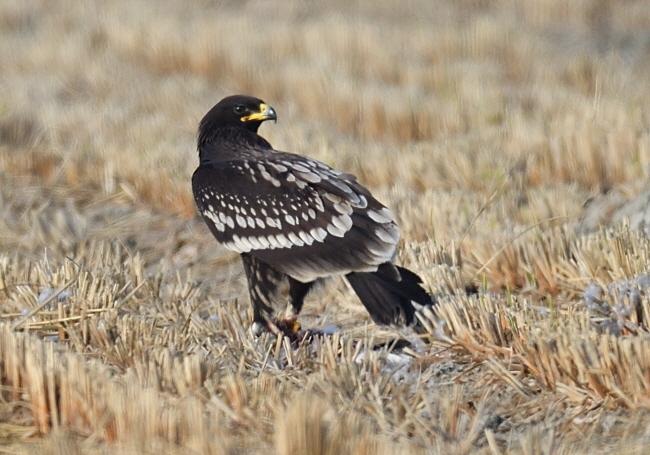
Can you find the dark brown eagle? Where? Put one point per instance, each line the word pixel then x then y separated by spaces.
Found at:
pixel 294 221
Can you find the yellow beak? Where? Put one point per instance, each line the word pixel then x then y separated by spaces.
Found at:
pixel 266 113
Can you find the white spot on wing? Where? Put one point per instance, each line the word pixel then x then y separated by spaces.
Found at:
pixel 283 241
pixel 344 208
pixel 242 243
pixel 342 222
pixel 308 239
pixel 273 242
pixel 218 224
pixel 278 167
pixel 295 239
pixel 231 246
pixel 318 234
pixel 257 245
pixel 343 187
pixel 333 198
pixel 319 204
pixel 336 232
pixel 310 177
pixel 298 167
pixel 382 216
pixel 388 235
pixel 265 243
pixel 379 251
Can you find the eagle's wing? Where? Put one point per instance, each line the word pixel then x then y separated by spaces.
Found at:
pixel 296 214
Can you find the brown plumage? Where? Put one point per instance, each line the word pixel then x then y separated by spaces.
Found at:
pixel 295 220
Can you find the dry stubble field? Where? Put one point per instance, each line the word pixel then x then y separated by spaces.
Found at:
pixel 485 125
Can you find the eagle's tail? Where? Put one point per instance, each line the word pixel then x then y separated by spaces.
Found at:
pixel 392 294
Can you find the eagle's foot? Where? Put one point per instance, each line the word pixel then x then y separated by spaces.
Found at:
pixel 288 327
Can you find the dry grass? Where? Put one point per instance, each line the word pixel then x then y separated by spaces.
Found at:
pixel 485 125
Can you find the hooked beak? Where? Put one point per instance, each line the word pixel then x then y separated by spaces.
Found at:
pixel 266 113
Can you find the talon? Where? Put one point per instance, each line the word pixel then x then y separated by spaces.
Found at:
pixel 295 328
pixel 289 327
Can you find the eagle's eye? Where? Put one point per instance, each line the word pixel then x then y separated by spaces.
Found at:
pixel 240 109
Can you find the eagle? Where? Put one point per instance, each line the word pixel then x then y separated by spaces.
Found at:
pixel 296 221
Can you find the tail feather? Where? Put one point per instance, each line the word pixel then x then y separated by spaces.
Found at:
pixel 388 294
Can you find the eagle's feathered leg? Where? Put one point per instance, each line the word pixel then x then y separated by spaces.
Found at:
pixel 276 298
